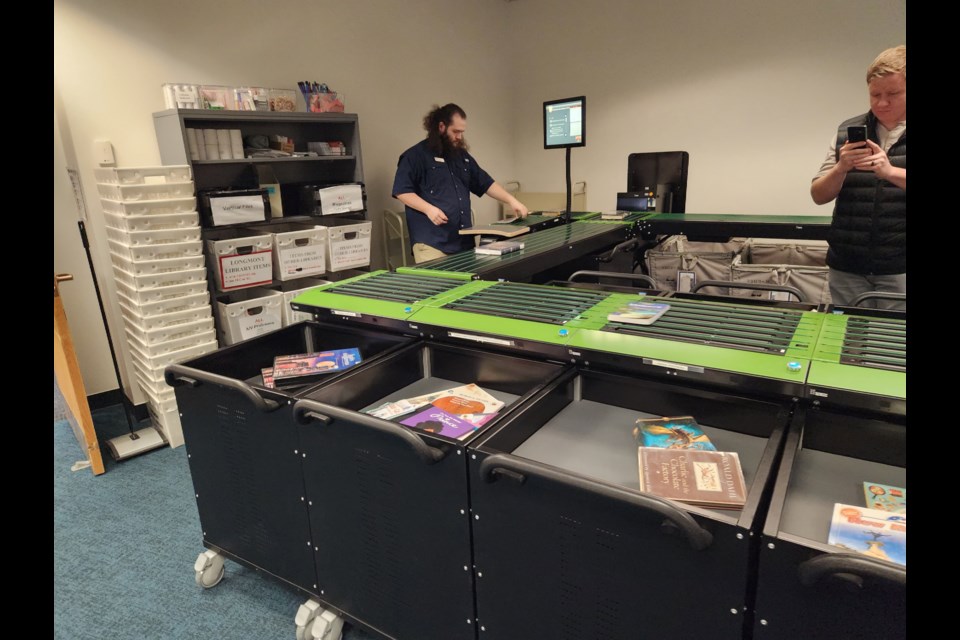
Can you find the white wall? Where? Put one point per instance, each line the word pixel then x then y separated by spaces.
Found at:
pixel 392 60
pixel 751 89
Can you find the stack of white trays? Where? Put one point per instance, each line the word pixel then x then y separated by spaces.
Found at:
pixel 156 250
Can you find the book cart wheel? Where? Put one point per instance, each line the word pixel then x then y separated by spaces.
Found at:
pixel 208 569
pixel 304 618
pixel 315 623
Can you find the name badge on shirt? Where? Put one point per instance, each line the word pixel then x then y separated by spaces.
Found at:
pixel 439 160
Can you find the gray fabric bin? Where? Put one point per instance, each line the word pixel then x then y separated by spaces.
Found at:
pixel 812 281
pixel 706 260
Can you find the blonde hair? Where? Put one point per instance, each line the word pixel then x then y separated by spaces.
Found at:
pixel 893 60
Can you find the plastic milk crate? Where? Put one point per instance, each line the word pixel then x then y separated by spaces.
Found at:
pixel 169 424
pixel 159 321
pixel 138 192
pixel 299 250
pixel 348 245
pixel 145 267
pixel 160 279
pixel 153 221
pixel 149 207
pixel 161 236
pixel 156 251
pixel 289 315
pixel 151 309
pixel 173 345
pixel 239 259
pixel 249 313
pixel 170 332
pixel 142 296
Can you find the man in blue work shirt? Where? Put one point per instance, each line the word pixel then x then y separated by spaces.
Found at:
pixel 434 180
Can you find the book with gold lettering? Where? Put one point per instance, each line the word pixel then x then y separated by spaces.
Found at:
pixel 704 478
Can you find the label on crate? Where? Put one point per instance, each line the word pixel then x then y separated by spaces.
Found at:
pixel 340 199
pixel 252 326
pixel 236 209
pixel 301 261
pixel 350 253
pixel 246 270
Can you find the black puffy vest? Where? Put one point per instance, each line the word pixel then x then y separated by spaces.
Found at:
pixel 868 235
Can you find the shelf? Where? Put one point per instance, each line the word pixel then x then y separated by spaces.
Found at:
pixel 257 116
pixel 271 160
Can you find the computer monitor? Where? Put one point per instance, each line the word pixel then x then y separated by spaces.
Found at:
pixel 664 173
pixel 565 123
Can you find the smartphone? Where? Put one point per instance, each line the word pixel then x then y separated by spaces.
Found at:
pixel 857 133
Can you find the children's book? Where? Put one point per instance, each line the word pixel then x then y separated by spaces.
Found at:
pixel 705 478
pixel 468 402
pixel 438 421
pixel 267 374
pixel 681 432
pixel 872 532
pixel 885 497
pixel 639 312
pixel 299 368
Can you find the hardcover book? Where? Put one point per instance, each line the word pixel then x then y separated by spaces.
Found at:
pixel 885 497
pixel 301 367
pixel 872 532
pixel 502 230
pixel 680 432
pixel 639 312
pixel 267 374
pixel 438 421
pixel 499 248
pixel 704 478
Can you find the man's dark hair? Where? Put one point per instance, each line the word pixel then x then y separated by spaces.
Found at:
pixel 431 122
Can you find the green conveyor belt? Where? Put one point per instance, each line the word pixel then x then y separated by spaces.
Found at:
pixel 740 218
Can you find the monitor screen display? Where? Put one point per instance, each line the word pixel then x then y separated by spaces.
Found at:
pixel 565 123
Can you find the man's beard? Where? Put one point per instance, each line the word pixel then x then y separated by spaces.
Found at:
pixel 453 147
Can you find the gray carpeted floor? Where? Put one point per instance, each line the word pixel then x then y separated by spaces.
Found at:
pixel 124 547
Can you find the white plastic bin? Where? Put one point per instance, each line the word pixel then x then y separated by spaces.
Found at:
pixel 157 335
pixel 161 251
pixel 159 362
pixel 161 236
pixel 140 297
pixel 239 260
pixel 348 246
pixel 144 267
pixel 161 279
pixel 149 207
pixel 153 308
pixel 152 222
pixel 168 423
pixel 173 345
pixel 148 191
pixel 298 251
pixel 142 175
pixel 135 319
pixel 289 293
pixel 249 313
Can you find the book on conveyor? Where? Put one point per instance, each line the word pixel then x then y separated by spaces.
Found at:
pixel 639 312
pixel 680 432
pixel 502 230
pixel 499 248
pixel 703 478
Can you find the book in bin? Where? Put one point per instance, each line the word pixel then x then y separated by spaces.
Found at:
pixel 679 432
pixel 885 497
pixel 872 532
pixel 639 312
pixel 468 402
pixel 703 478
pixel 499 248
pixel 438 421
pixel 302 367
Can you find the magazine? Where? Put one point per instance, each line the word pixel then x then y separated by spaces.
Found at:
pixel 438 421
pixel 872 532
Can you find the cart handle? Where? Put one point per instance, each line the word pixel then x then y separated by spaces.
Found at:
pixel 761 286
pixel 850 567
pixel 177 374
pixel 877 295
pixel 518 469
pixel 639 277
pixel 306 411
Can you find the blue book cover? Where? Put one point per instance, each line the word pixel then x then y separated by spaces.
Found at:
pixel 637 312
pixel 305 365
pixel 872 532
pixel 680 432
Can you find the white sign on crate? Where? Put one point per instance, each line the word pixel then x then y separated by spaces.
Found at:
pixel 350 253
pixel 237 209
pixel 340 199
pixel 302 261
pixel 246 270
pixel 257 324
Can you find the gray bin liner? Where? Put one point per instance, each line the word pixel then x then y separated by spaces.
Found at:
pixel 811 281
pixel 807 253
pixel 706 260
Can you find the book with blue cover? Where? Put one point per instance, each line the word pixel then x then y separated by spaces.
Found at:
pixel 302 367
pixel 872 532
pixel 679 432
pixel 639 312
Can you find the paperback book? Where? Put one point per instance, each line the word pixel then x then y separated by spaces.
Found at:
pixel 499 248
pixel 468 402
pixel 872 532
pixel 704 478
pixel 438 421
pixel 681 432
pixel 267 374
pixel 302 367
pixel 639 312
pixel 502 230
pixel 885 497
